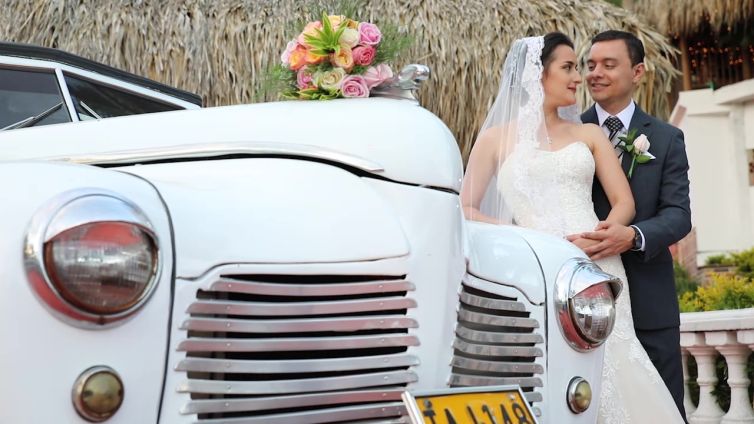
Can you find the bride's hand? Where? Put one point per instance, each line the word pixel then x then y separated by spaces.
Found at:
pixel 611 239
pixel 581 242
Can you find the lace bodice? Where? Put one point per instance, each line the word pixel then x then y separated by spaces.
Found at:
pixel 561 203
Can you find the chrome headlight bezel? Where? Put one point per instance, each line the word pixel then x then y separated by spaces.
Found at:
pixel 575 276
pixel 68 211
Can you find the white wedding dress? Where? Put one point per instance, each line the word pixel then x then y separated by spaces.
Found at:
pixel 632 389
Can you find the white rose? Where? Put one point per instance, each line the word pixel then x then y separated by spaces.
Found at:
pixel 641 144
pixel 349 38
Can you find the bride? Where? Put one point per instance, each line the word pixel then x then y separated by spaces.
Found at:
pixel 533 165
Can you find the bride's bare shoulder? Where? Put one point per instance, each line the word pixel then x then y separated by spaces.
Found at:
pixel 591 134
pixel 493 138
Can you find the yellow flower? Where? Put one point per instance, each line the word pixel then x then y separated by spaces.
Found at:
pixel 344 59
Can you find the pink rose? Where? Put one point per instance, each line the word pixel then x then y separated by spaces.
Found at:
pixel 364 55
pixel 376 75
pixel 288 50
pixel 304 78
pixel 370 34
pixel 354 86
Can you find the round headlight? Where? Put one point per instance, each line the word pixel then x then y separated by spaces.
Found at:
pixel 103 267
pixel 593 311
pixel 92 257
pixel 585 303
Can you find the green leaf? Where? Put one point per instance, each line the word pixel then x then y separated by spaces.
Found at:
pixel 643 159
pixel 632 134
pixel 630 148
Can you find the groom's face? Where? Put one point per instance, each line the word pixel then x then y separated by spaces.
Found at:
pixel 610 75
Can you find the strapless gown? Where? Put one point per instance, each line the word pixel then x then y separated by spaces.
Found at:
pixel 558 200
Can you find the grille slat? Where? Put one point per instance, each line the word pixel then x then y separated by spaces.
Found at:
pixel 491 337
pixel 296 344
pixel 298 325
pixel 495 320
pixel 478 380
pixel 497 341
pixel 299 308
pixel 231 285
pixel 496 351
pixel 496 304
pixel 308 385
pixel 332 415
pixel 205 406
pixel 498 367
pixel 298 348
pixel 295 366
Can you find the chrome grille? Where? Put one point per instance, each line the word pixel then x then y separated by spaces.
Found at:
pixel 299 349
pixel 497 342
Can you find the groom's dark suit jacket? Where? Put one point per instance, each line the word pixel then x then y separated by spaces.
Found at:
pixel 661 193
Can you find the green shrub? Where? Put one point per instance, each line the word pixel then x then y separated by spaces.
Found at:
pixel 719 260
pixel 724 292
pixel 684 282
pixel 744 263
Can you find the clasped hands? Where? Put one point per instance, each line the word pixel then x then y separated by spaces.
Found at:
pixel 607 239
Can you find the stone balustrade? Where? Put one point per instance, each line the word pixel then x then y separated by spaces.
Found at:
pixel 704 336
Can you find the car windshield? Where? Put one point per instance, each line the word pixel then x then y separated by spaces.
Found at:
pixel 27 93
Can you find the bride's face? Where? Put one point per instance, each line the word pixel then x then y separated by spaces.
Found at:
pixel 561 77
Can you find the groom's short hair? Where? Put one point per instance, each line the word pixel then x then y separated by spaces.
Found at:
pixel 634 45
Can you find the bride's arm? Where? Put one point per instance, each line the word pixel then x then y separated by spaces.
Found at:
pixel 479 171
pixel 611 176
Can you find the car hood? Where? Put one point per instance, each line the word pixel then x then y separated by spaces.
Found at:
pixel 394 139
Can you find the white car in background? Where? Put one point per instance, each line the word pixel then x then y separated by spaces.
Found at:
pixel 289 262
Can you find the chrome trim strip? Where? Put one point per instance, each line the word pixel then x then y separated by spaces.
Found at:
pixel 63 86
pixel 349 414
pixel 497 351
pixel 494 320
pixel 68 210
pixel 296 344
pixel 204 406
pixel 232 285
pixel 191 151
pixel 297 386
pixel 298 325
pixel 299 308
pixel 494 366
pixel 478 380
pixel 489 303
pixel 296 365
pixel 472 335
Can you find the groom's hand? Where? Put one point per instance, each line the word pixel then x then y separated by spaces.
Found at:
pixel 612 239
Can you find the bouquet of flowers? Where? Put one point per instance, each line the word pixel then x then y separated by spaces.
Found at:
pixel 336 57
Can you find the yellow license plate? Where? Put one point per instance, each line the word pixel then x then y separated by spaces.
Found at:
pixel 488 405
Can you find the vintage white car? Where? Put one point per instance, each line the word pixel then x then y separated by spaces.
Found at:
pixel 288 262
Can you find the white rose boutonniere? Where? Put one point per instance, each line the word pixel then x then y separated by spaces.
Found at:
pixel 638 147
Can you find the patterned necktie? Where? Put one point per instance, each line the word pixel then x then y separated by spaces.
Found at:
pixel 614 125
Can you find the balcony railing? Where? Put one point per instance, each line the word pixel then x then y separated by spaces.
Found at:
pixel 704 336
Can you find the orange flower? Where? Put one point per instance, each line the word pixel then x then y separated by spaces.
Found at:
pixel 344 59
pixel 297 59
pixel 313 58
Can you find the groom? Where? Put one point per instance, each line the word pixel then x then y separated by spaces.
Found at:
pixel 661 192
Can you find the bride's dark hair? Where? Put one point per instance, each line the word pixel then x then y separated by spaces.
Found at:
pixel 551 42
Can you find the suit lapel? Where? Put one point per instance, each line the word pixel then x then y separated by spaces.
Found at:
pixel 590 116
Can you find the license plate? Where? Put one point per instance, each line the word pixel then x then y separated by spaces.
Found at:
pixel 477 405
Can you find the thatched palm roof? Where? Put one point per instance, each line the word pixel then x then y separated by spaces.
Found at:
pixel 219 48
pixel 683 17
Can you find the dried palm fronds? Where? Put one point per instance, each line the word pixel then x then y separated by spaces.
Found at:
pixel 221 48
pixel 683 17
